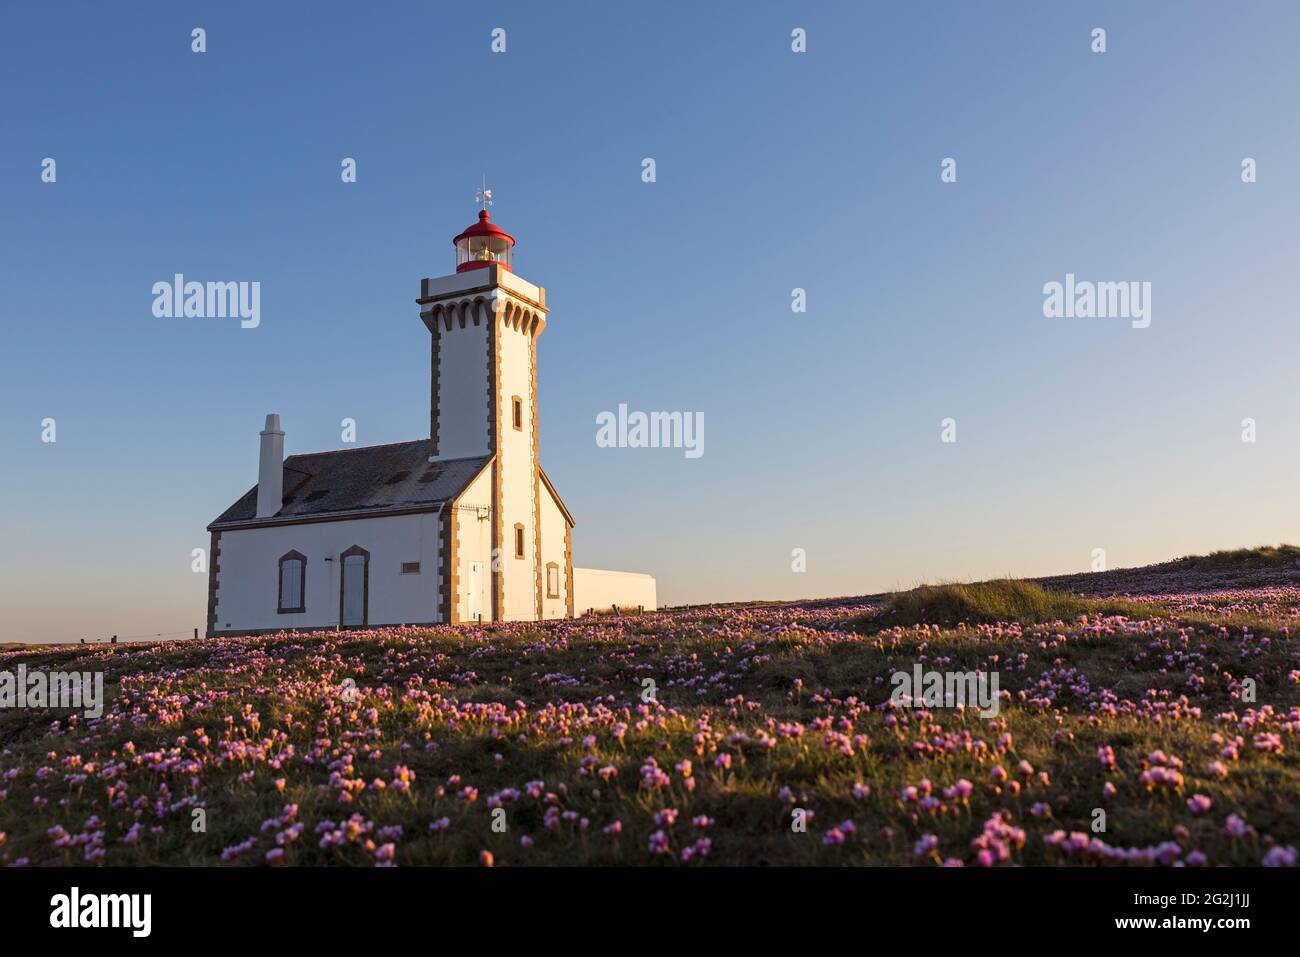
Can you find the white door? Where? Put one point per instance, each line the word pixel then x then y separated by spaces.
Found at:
pixel 474 591
pixel 354 590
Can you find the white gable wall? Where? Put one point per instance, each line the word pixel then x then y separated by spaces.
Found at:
pixel 249 562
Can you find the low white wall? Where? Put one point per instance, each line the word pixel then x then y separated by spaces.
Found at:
pixel 600 589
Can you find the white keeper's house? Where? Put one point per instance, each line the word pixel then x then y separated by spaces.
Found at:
pixel 463 526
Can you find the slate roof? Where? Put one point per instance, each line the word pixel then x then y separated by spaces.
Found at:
pixel 373 480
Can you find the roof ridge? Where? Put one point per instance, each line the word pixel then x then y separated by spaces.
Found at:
pixel 361 448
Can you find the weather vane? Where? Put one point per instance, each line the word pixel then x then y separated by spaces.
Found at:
pixel 484 196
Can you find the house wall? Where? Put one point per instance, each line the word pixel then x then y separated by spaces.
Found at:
pixel 553 529
pixel 601 589
pixel 474 544
pixel 247 583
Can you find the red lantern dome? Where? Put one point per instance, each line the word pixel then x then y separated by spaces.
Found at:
pixel 483 244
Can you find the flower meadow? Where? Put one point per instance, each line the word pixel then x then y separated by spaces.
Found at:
pixel 754 735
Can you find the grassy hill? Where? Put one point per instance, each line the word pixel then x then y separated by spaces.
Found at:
pixel 1236 568
pixel 740 735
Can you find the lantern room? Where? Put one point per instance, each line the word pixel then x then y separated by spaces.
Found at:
pixel 483 244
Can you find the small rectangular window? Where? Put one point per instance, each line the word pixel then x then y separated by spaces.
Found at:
pixel 552 580
pixel 518 405
pixel 519 541
pixel 410 568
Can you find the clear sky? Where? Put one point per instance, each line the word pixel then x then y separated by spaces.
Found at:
pixel 775 170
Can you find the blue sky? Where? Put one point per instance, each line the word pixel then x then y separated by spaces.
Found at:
pixel 775 170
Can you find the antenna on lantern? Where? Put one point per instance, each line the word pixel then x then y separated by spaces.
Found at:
pixel 484 196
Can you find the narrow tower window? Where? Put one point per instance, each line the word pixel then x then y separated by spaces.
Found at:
pixel 519 541
pixel 517 405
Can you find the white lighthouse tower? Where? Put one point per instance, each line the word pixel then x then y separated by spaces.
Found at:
pixel 485 321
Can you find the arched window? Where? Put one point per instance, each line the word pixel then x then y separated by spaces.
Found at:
pixel 354 589
pixel 293 584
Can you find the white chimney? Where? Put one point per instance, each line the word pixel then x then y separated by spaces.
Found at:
pixel 270 469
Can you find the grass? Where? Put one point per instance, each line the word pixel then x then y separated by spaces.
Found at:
pixel 1243 559
pixel 777 708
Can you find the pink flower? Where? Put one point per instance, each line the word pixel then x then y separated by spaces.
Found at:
pixel 700 848
pixel 1280 856
pixel 1198 803
pixel 959 791
pixel 1271 743
pixel 1236 827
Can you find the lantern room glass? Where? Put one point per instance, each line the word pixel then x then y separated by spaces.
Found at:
pixel 483 249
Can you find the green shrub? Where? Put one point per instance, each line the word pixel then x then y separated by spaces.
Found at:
pixel 1003 599
pixel 1265 556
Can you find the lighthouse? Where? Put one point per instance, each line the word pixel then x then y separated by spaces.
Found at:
pixel 463 527
pixel 484 322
